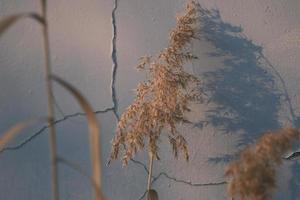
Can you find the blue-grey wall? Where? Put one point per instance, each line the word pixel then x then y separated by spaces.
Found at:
pixel 248 61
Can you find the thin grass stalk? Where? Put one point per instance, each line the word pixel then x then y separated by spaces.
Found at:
pixel 94 134
pixel 151 157
pixel 49 89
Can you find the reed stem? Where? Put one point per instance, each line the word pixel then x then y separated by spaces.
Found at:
pixel 52 135
pixel 150 171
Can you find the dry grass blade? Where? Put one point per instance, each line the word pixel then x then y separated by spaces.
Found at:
pixel 8 21
pixel 93 133
pixel 14 131
pixel 152 195
pixel 37 17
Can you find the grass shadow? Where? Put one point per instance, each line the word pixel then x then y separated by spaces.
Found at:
pixel 243 90
pixel 246 92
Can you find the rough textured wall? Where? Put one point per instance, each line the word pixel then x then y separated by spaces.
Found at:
pixel 248 60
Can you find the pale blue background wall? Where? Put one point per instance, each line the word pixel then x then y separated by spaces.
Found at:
pixel 248 59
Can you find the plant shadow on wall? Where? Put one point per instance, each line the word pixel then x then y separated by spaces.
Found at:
pixel 243 94
pixel 246 92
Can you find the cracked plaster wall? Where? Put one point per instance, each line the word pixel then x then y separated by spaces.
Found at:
pixel 248 59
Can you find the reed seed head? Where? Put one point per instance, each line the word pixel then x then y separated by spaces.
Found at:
pixel 253 176
pixel 162 100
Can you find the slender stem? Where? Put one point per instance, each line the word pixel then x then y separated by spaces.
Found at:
pixel 52 135
pixel 150 170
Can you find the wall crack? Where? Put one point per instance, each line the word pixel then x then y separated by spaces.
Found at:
pixel 165 175
pixel 114 60
pixel 44 128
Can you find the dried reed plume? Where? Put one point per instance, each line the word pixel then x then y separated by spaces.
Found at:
pixel 162 100
pixel 253 176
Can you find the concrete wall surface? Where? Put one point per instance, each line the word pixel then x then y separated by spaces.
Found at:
pixel 249 54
